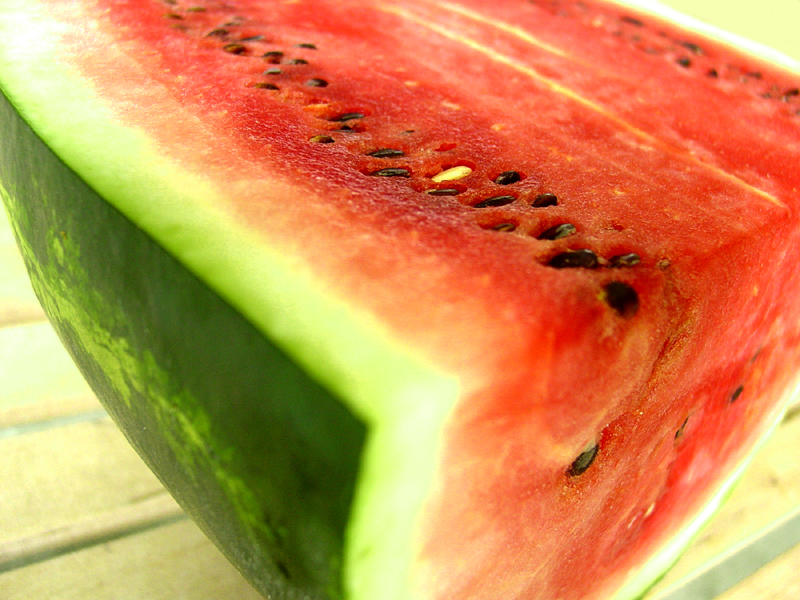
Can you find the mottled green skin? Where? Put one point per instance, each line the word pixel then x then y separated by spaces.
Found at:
pixel 264 458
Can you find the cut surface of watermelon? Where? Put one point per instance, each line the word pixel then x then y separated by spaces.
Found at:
pixel 415 300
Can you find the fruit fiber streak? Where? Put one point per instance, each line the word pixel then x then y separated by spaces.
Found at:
pixel 585 216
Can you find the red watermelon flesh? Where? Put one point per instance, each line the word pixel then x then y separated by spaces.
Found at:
pixel 586 215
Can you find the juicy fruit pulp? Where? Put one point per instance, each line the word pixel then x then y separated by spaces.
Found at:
pixel 582 219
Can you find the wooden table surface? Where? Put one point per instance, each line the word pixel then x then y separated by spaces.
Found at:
pixel 82 518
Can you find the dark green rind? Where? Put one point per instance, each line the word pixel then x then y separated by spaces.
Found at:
pixel 268 465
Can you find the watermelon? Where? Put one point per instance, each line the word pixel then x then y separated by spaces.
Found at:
pixel 415 300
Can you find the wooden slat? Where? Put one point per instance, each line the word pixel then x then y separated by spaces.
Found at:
pixel 776 581
pixel 35 368
pixel 89 531
pixel 57 476
pixel 74 496
pixel 17 419
pixel 769 490
pixel 174 562
pixel 73 501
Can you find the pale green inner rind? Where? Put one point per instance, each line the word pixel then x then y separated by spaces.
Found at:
pixel 346 351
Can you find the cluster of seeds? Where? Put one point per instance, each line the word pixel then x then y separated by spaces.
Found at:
pixel 589 454
pixel 281 65
pixel 506 201
pixel 684 53
pixel 503 193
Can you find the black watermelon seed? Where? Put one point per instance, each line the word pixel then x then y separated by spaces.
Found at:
pixel 273 71
pixel 391 172
pixel 695 49
pixel 789 94
pixel 755 74
pixel 557 232
pixel 682 428
pixel 347 117
pixel 585 259
pixel 217 33
pixel 322 139
pixel 306 46
pixel 546 199
pixel 504 227
pixel 175 16
pixel 196 9
pixel 712 73
pixel 583 462
pixel 316 82
pixel 296 61
pixel 266 86
pixel 737 392
pixel 234 48
pixel 507 178
pixel 252 38
pixel 625 260
pixel 684 61
pixel 495 201
pixel 622 298
pixel 387 153
pixel 443 192
pixel 632 21
pixel 273 56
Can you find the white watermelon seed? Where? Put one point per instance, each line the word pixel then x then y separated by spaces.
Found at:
pixel 452 174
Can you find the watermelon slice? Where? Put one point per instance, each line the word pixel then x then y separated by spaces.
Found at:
pixel 415 300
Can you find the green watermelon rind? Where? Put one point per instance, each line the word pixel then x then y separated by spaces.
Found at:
pixel 349 353
pixel 92 271
pixel 47 205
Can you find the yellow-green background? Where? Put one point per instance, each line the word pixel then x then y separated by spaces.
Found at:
pixel 775 23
